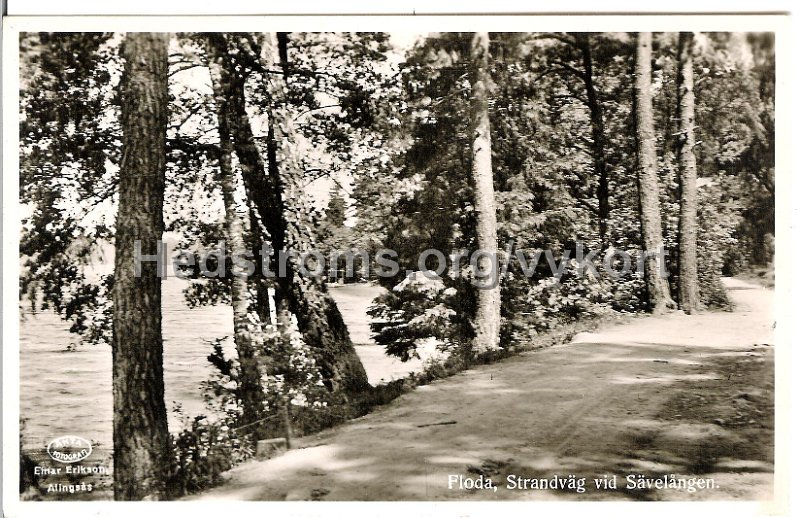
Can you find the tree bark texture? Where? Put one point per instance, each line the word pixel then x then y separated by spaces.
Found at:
pixel 687 261
pixel 647 165
pixel 487 316
pixel 141 437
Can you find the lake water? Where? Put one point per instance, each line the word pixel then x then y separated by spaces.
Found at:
pixel 69 392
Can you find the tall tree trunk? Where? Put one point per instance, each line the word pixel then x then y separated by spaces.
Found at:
pixel 270 186
pixel 141 437
pixel 598 136
pixel 263 305
pixel 687 279
pixel 649 205
pixel 318 318
pixel 250 391
pixel 487 316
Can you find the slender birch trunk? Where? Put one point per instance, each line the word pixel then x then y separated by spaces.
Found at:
pixel 249 388
pixel 487 317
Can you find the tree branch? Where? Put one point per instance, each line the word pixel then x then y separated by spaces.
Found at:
pixel 562 37
pixel 569 68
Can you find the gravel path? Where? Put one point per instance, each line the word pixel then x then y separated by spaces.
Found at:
pixel 685 395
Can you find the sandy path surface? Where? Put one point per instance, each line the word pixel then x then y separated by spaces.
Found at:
pixel 684 395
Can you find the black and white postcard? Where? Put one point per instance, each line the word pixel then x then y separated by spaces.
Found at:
pixel 413 259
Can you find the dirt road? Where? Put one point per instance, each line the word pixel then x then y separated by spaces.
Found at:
pixel 684 395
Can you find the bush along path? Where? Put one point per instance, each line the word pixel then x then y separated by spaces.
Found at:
pixel 669 407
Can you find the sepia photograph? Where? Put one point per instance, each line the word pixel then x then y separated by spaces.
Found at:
pixel 414 264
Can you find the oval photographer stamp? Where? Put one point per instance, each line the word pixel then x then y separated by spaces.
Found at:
pixel 69 448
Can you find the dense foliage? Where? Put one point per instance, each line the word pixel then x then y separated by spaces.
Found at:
pixel 375 152
pixel 545 178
